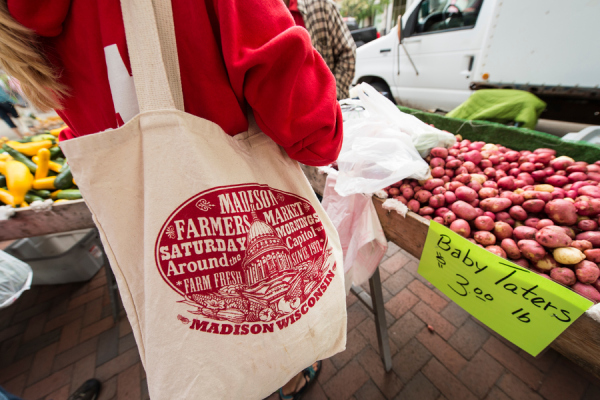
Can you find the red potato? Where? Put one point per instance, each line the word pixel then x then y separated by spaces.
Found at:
pixel 484 223
pixel 426 211
pixel 465 193
pixel 552 238
pixel 394 191
pixel 564 276
pixel 591 191
pixel 490 214
pixel 547 263
pixel 496 204
pixel 470 166
pixel 511 156
pixel 497 250
pixel 450 197
pixel 449 217
pixel 490 184
pixel 586 271
pixel 440 212
pixel 423 196
pixel 588 207
pixel 433 183
pixel 518 213
pixel 506 183
pixel 587 225
pixel 561 163
pixel 437 201
pixel 503 216
pixel 544 150
pixel 592 237
pixel 516 198
pixel 449 173
pixel 462 177
pixel 532 222
pixel 544 196
pixel 534 205
pixel 476 186
pixel 401 200
pixel 527 167
pixel 464 210
pixel 487 192
pixel 473 156
pixel 438 172
pixel 476 145
pixel 461 227
pixel 511 248
pixel 440 152
pixel 592 255
pixel 479 212
pixel 523 262
pixel 524 233
pixel 437 162
pixel 595 176
pixel 474 203
pixel 500 174
pixel 502 230
pixel 531 250
pixel 439 220
pixel 558 194
pixel 538 176
pixel 490 172
pixel 455 164
pixel 587 291
pixel 560 173
pixel 576 168
pixel 596 284
pixel 408 193
pixel 484 238
pixel 542 223
pixel 544 158
pixel 577 176
pixel 592 168
pixel 452 186
pixel 561 212
pixel 413 205
pixel 584 245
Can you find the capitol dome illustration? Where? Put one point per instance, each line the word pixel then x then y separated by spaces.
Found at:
pixel 266 255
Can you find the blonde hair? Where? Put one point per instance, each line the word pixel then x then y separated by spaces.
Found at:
pixel 22 58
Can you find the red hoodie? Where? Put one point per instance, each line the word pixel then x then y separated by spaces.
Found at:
pixel 232 53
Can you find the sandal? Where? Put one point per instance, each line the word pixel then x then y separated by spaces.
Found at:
pixel 310 377
pixel 89 390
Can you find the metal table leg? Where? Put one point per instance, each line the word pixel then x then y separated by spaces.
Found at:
pixel 374 303
pixel 111 282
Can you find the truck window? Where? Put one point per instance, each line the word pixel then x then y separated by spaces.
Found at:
pixel 443 15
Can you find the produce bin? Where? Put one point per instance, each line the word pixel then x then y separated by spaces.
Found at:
pixel 61 257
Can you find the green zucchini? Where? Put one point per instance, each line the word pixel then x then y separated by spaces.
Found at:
pixel 2 181
pixel 69 194
pixel 43 193
pixel 20 157
pixel 64 179
pixel 30 198
pixel 55 152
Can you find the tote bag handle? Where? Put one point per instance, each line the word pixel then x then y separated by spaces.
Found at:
pixel 150 34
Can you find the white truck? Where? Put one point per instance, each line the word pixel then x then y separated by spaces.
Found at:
pixel 443 50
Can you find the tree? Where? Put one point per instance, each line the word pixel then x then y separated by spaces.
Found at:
pixel 363 9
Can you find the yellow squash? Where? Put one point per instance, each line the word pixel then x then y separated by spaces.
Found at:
pixel 52 166
pixel 43 156
pixel 31 148
pixel 44 183
pixel 6 197
pixel 18 180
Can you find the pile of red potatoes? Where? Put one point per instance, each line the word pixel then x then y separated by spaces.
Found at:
pixel 534 208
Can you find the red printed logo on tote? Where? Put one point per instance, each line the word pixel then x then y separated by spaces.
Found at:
pixel 245 258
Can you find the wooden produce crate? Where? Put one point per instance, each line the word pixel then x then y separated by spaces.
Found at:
pixel 63 217
pixel 581 341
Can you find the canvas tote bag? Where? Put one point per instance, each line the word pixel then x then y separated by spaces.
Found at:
pixel 228 267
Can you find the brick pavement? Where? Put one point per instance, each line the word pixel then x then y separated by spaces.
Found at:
pixel 55 337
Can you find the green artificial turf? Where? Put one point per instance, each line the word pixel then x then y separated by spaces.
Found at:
pixel 511 137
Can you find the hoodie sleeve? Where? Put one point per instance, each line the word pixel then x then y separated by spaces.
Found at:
pixel 271 63
pixel 44 17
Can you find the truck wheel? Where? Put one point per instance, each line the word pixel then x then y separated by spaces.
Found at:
pixel 384 89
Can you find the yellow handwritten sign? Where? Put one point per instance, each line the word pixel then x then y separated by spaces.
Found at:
pixel 524 307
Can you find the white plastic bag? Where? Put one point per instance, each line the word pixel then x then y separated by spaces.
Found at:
pixel 15 278
pixel 361 235
pixel 425 137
